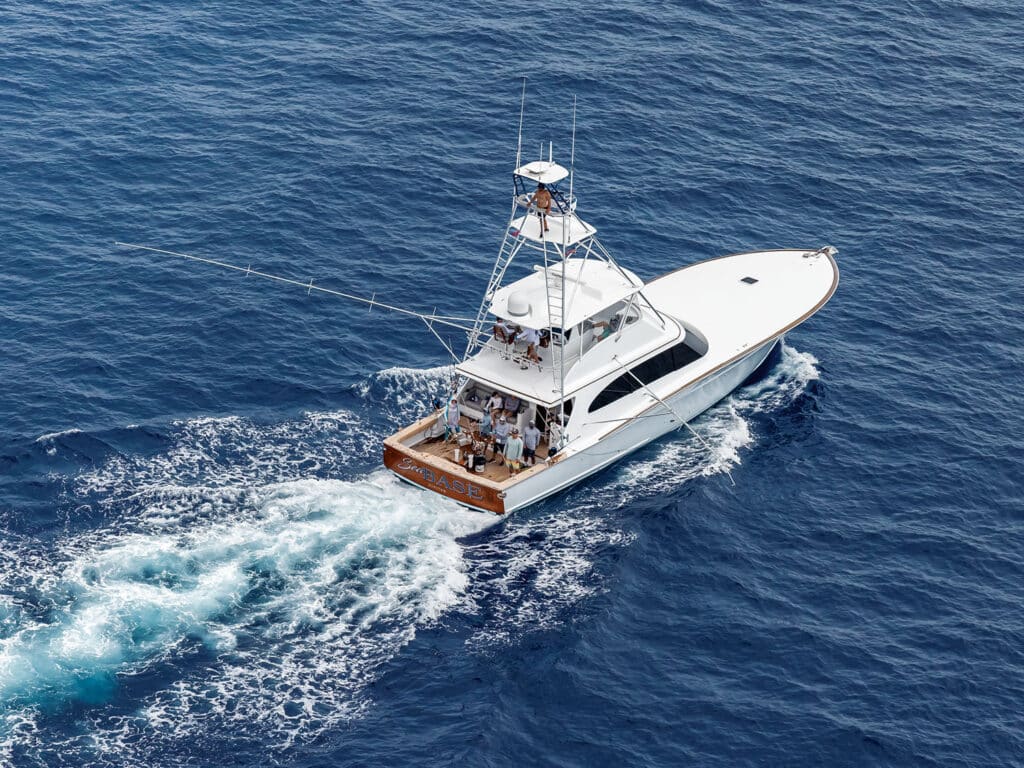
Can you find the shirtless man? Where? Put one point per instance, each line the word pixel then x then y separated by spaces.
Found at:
pixel 542 199
pixel 504 331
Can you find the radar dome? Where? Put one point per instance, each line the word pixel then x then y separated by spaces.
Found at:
pixel 518 305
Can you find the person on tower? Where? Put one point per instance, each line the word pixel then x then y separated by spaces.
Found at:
pixel 542 200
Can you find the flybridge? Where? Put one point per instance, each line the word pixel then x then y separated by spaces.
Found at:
pixel 590 286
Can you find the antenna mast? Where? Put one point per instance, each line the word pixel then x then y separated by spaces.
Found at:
pixel 572 155
pixel 522 110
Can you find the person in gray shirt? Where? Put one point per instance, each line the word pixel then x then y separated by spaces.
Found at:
pixel 531 439
pixel 501 432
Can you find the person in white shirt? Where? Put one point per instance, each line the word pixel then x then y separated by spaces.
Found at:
pixel 531 338
pixel 452 415
pixel 556 432
pixel 494 405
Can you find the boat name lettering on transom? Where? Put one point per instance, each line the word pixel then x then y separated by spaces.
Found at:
pixel 441 480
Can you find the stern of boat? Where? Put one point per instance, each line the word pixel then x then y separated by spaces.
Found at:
pixel 437 473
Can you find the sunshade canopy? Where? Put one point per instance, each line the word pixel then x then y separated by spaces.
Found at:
pixel 542 172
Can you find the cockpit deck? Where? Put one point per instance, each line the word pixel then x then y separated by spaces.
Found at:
pixel 445 449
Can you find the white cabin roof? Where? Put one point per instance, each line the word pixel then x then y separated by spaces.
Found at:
pixel 542 171
pixel 590 286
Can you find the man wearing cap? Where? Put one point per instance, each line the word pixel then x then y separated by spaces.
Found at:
pixel 531 439
pixel 514 452
pixel 452 419
pixel 501 432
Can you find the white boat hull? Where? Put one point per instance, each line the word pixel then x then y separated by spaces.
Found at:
pixel 712 324
pixel 582 461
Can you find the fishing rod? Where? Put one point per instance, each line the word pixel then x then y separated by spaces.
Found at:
pixel 428 319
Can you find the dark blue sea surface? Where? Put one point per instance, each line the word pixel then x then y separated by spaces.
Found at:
pixel 203 562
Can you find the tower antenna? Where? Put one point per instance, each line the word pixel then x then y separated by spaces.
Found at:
pixel 522 109
pixel 572 157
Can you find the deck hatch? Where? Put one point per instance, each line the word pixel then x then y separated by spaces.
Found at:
pixel 748 280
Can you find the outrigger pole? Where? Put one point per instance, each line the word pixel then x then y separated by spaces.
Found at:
pixel 428 319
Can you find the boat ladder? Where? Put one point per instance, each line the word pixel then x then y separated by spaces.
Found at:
pixel 510 246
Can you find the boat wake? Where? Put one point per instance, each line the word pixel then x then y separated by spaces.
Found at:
pixel 232 586
pixel 273 607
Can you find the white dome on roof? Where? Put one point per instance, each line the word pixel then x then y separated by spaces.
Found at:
pixel 518 305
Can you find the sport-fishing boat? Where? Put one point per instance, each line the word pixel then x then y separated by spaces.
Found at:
pixel 582 357
pixel 595 359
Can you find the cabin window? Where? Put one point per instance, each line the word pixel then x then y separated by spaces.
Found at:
pixel 649 371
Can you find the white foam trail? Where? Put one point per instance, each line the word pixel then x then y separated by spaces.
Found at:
pixel 407 393
pixel 299 597
pixel 49 436
pixel 341 581
pixel 233 452
pixel 537 568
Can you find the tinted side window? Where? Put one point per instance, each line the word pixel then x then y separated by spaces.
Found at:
pixel 662 364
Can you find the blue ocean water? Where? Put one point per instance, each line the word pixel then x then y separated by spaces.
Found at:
pixel 203 563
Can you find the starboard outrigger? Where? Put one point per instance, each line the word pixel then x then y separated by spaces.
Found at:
pixel 598 363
